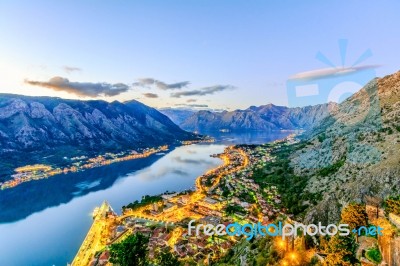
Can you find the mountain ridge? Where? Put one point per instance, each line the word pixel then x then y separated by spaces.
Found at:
pixel 353 154
pixel 264 117
pixel 31 127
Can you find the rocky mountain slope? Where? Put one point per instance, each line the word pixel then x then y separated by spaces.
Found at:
pixel 354 153
pixel 265 117
pixel 45 126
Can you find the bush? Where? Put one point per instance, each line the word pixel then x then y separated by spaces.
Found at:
pixel 321 137
pixel 231 209
pixel 392 205
pixel 374 255
pixel 332 168
pixel 132 251
pixel 354 215
pixel 146 199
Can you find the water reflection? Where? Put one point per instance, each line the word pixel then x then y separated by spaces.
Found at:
pixel 179 159
pixel 19 202
pixel 54 214
pixel 45 221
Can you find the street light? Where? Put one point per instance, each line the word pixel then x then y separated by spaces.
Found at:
pixel 293 256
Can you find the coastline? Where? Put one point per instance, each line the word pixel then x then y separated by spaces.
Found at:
pixel 39 171
pixel 30 173
pixel 182 204
pixel 109 218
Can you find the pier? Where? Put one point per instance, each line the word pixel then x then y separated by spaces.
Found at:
pixel 94 240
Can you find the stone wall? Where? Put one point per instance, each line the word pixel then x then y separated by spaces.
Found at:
pixel 395 220
pixel 390 249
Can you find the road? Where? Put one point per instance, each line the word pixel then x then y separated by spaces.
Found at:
pixel 186 211
pixel 97 237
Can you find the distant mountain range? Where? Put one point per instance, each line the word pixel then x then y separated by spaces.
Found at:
pixel 46 126
pixel 265 117
pixel 177 115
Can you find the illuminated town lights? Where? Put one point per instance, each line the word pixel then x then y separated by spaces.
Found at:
pixel 233 162
pixel 280 245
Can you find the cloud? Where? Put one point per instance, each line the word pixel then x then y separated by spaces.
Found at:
pixel 191 161
pixel 145 82
pixel 191 101
pixel 191 151
pixel 330 72
pixel 192 105
pixel 178 85
pixel 86 89
pixel 70 69
pixel 150 95
pixel 180 172
pixel 160 172
pixel 203 91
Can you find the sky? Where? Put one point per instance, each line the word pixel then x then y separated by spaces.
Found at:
pixel 201 54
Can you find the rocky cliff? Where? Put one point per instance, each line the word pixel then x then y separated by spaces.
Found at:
pixel 354 153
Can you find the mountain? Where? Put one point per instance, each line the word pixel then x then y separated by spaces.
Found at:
pixel 55 127
pixel 265 117
pixel 353 154
pixel 177 115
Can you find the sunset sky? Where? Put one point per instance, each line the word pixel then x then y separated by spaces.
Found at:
pixel 205 54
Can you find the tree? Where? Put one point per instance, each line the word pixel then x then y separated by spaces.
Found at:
pixel 340 251
pixel 231 209
pixel 130 252
pixel 355 215
pixel 392 205
pixel 166 258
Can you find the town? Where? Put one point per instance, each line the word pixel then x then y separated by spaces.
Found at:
pixel 223 195
pixel 40 171
pixel 80 163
